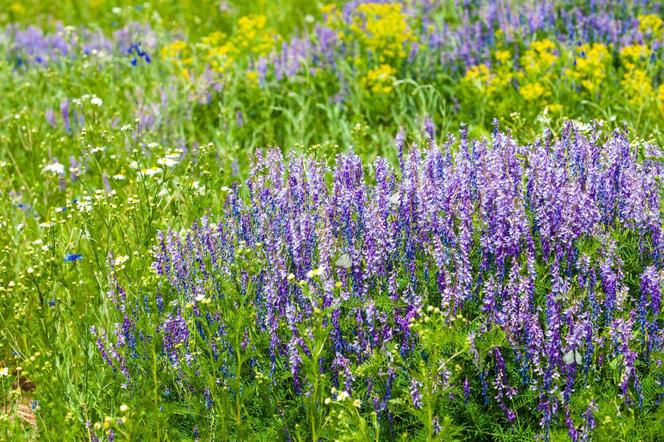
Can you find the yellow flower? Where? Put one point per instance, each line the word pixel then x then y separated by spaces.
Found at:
pixel 213 39
pixel 328 8
pixel 16 8
pixel 499 81
pixel 252 78
pixel 384 29
pixel 173 50
pixel 220 58
pixel 380 79
pixel 494 81
pixel 532 91
pixel 503 56
pixel 651 25
pixel 634 51
pixel 637 87
pixel 478 76
pixel 542 46
pixel 634 55
pixel 539 58
pixel 253 37
pixel 555 108
pixel 592 61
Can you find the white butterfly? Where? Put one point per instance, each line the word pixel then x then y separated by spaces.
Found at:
pixel 573 356
pixel 395 199
pixel 344 261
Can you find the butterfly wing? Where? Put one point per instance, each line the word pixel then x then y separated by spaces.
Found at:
pixel 578 357
pixel 344 261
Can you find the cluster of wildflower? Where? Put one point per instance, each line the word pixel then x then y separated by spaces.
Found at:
pixel 479 29
pixel 252 38
pixel 521 238
pixel 32 46
pixel 584 54
pixel 546 66
pixel 482 42
pixel 380 79
pixel 384 29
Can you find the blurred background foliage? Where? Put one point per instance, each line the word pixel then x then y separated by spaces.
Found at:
pixel 193 17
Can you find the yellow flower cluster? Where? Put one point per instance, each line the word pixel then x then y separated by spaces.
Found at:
pixel 591 64
pixel 533 91
pixel 484 80
pixel 219 56
pixel 503 56
pixel 16 9
pixel 637 87
pixel 178 50
pixel 252 38
pixel 634 55
pixel 384 29
pixel 179 54
pixel 538 62
pixel 542 67
pixel 651 25
pixel 328 8
pixel 380 80
pixel 503 72
pixel 636 82
pixel 479 77
pixel 540 58
pixel 252 78
pixel 380 28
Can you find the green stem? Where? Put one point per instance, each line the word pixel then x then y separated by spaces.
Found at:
pixel 156 389
pixel 314 423
pixel 315 416
pixel 429 416
pixel 238 401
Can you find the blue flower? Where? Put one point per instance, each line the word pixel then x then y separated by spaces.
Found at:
pixel 73 257
pixel 136 48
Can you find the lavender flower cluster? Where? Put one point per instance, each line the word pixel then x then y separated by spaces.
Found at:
pixel 31 46
pixel 532 240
